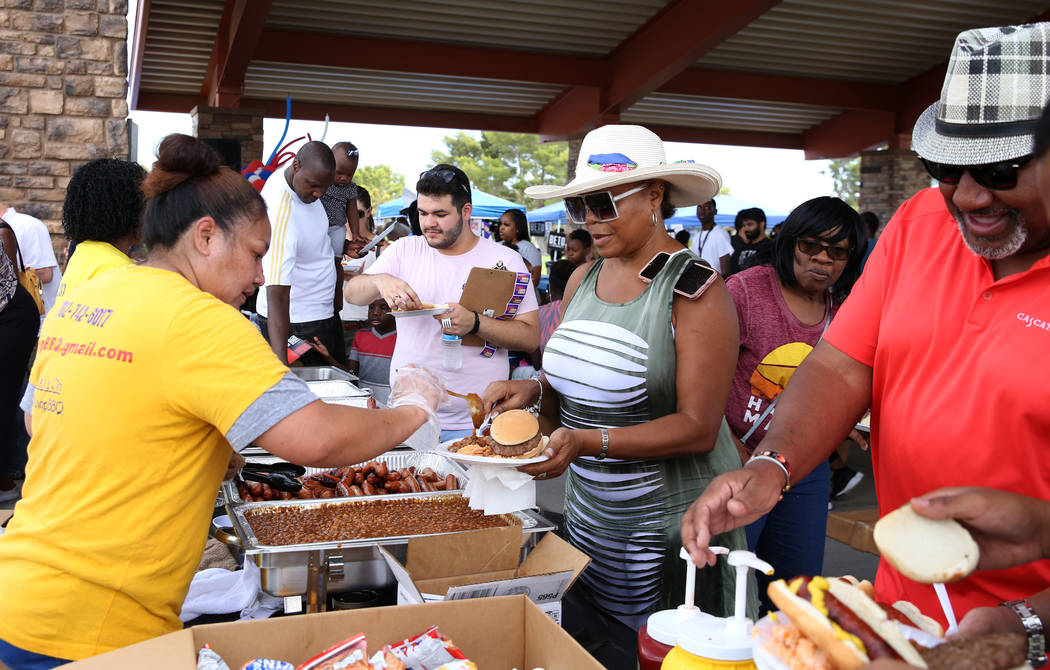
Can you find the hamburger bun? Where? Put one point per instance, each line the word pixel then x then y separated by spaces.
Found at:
pixel 918 619
pixel 905 539
pixel 515 433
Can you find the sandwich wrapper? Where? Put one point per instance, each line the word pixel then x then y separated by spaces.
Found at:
pixel 499 489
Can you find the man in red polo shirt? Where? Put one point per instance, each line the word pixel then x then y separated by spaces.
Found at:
pixel 945 335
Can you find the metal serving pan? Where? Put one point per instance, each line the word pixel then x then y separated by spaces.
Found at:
pixel 322 373
pixel 285 570
pixel 395 460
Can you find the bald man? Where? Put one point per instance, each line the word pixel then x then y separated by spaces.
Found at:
pixel 299 277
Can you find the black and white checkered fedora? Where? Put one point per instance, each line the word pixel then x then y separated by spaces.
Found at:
pixel 997 83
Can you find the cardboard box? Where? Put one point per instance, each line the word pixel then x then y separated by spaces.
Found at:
pixel 496 633
pixel 855 528
pixel 485 564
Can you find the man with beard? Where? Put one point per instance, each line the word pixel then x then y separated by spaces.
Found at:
pixel 432 269
pixel 944 336
pixel 299 276
pixel 751 247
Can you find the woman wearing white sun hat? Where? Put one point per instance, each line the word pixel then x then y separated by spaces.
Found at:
pixel 638 375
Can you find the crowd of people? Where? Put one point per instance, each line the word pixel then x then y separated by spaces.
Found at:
pixel 699 386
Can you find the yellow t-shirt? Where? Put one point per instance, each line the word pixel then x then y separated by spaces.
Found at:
pixel 89 259
pixel 138 377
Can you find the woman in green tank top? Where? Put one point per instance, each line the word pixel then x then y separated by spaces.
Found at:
pixel 637 375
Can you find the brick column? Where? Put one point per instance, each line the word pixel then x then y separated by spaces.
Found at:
pixel 229 123
pixel 888 177
pixel 63 89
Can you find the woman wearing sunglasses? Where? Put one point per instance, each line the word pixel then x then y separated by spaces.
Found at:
pixel 783 309
pixel 637 375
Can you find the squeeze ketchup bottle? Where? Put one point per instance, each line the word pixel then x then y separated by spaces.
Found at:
pixel 658 636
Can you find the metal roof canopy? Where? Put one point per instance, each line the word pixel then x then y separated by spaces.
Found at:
pixel 831 77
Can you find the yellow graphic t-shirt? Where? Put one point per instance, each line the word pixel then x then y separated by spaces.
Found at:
pixel 138 377
pixel 91 258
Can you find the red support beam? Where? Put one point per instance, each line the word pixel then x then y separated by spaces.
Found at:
pixel 163 102
pixel 139 42
pixel 238 36
pixel 670 42
pixel 848 133
pixel 767 87
pixel 575 109
pixel 396 55
pixel 744 138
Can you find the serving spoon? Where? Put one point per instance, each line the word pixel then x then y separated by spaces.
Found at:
pixel 477 408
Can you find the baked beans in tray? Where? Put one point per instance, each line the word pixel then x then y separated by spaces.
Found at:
pixel 295 525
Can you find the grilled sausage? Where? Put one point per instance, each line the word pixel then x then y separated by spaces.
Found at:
pixel 382 470
pixel 413 484
pixel 368 488
pixel 450 483
pixel 429 475
pixel 355 490
pixel 342 489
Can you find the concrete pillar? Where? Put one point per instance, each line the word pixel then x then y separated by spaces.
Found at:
pixel 888 177
pixel 234 124
pixel 63 89
pixel 575 141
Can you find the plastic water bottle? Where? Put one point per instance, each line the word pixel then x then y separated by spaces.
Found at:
pixel 452 351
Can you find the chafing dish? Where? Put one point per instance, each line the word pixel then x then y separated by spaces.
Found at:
pixel 315 568
pixel 322 373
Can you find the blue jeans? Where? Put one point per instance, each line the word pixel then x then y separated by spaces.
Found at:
pixel 447 435
pixel 20 659
pixel 791 536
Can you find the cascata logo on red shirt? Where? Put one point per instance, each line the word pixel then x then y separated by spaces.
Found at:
pixel 1030 321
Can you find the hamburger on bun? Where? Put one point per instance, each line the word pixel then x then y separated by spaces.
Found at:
pixel 904 538
pixel 516 433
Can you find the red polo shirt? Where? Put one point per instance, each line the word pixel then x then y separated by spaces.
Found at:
pixel 961 389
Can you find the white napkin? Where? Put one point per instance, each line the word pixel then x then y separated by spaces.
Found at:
pixel 218 591
pixel 499 489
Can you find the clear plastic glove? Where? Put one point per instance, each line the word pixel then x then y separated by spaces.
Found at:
pixel 417 386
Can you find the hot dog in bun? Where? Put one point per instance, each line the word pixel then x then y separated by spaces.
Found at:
pixel 847 627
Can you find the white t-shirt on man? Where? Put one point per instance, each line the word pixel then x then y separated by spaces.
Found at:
pixel 300 254
pixel 34 241
pixel 711 245
pixel 437 278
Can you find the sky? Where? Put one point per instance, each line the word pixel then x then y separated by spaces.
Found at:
pixel 774 179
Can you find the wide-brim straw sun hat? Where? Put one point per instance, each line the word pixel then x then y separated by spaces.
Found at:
pixel 623 154
pixel 997 83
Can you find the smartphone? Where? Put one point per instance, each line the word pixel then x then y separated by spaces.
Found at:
pixel 695 280
pixel 657 263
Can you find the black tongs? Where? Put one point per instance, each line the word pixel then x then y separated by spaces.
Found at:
pixel 281 476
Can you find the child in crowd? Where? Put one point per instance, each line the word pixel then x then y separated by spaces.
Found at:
pixel 370 351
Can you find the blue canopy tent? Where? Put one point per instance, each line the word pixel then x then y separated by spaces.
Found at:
pixel 486 206
pixel 728 206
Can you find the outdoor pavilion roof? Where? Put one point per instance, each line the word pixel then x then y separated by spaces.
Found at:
pixel 832 77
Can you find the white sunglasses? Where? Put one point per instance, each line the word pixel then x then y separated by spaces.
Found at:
pixel 602 204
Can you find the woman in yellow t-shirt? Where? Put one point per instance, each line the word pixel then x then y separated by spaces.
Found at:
pixel 147 380
pixel 101 216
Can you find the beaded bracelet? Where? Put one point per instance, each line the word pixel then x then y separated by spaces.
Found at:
pixel 780 460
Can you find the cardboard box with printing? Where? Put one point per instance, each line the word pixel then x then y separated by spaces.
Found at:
pixel 495 633
pixel 485 563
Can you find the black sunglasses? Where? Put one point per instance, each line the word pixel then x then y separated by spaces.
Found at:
pixel 813 248
pixel 1001 176
pixel 447 176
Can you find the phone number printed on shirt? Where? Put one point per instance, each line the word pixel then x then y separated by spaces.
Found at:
pixel 80 313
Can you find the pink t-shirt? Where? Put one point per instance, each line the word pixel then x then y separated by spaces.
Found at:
pixel 772 344
pixel 437 278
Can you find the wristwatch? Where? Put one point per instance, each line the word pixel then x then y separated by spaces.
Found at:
pixel 1033 628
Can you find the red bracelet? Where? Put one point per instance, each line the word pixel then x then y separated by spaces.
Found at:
pixel 778 458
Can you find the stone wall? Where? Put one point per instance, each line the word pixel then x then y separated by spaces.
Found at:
pixel 888 177
pixel 228 123
pixel 63 90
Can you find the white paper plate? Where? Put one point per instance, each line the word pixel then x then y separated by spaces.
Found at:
pixel 436 309
pixel 498 461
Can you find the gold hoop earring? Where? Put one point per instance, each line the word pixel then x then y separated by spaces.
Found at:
pixel 654 218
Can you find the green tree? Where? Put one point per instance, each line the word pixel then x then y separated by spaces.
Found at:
pixel 845 172
pixel 504 164
pixel 724 191
pixel 383 184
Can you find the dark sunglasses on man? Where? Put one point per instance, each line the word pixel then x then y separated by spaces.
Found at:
pixel 445 175
pixel 812 248
pixel 1001 176
pixel 602 204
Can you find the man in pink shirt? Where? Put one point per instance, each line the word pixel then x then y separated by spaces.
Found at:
pixel 433 268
